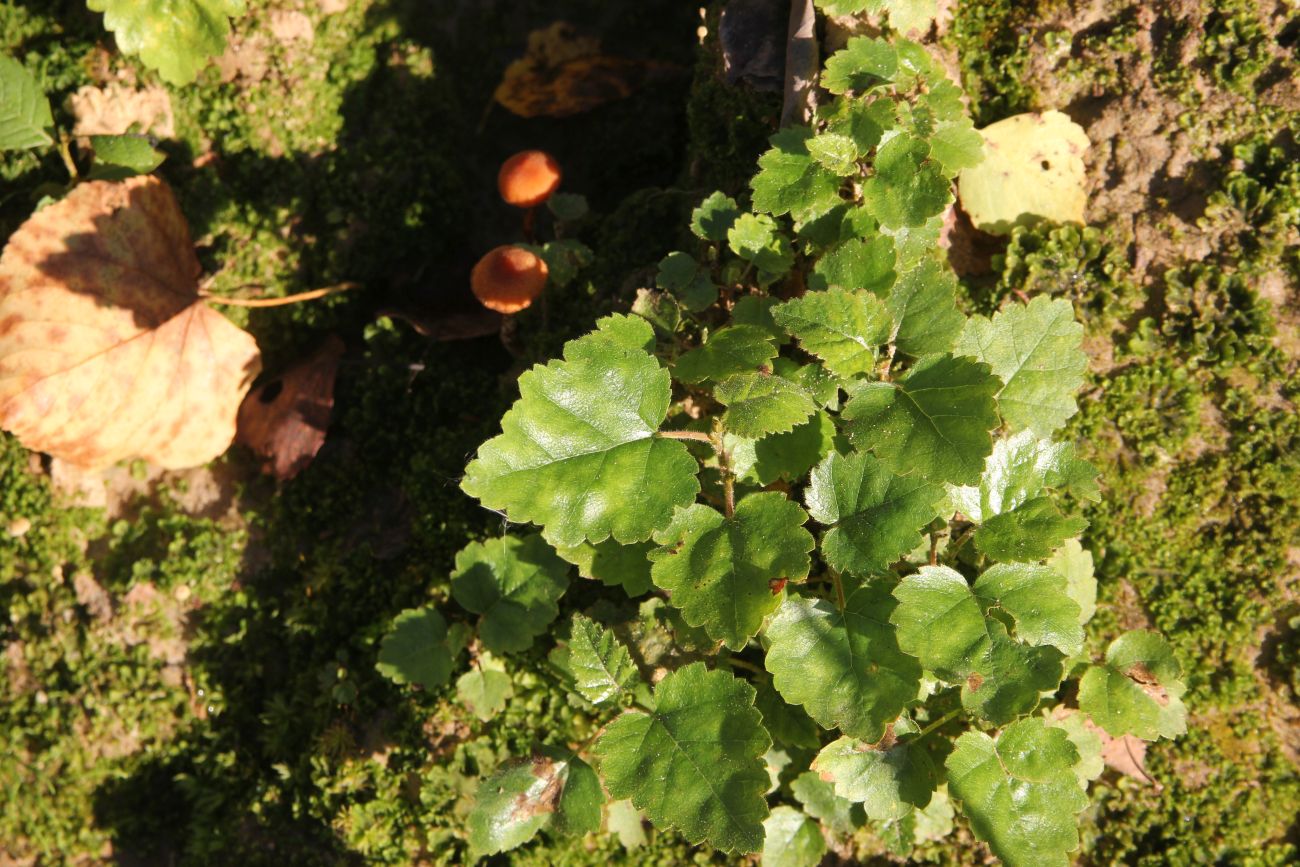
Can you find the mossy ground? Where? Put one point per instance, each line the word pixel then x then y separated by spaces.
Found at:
pixel 182 688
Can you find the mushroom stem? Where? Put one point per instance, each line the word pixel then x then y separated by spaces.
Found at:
pixel 530 220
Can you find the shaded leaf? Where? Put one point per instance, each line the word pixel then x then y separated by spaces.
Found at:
pixel 695 762
pixel 856 264
pixel 681 275
pixel 1029 532
pixel 758 239
pixel 118 157
pixel 728 351
pixel 762 403
pixel 714 217
pixel 513 583
pixel 784 455
pixel 416 649
pixel 889 780
pixel 107 352
pixel 283 421
pixel 612 564
pixel 820 801
pixel 554 789
pixel 484 692
pixel 923 303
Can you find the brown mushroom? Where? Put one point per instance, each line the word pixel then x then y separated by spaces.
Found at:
pixel 528 178
pixel 508 278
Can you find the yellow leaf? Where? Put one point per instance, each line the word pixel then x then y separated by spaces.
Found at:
pixel 107 352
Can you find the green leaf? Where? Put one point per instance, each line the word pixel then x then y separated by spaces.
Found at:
pixel 824 385
pixel 554 789
pixel 688 280
pixel 720 571
pixel 785 455
pixel 715 216
pixel 25 118
pixel 175 37
pixel 923 303
pixel 602 668
pixel 1037 599
pixel 788 724
pixel 914 243
pixel 118 157
pixel 889 781
pixel 820 801
pixel 791 839
pixel 1075 564
pixel 1022 468
pixel 484 691
pixel 954 142
pixel 1085 739
pixel 1035 350
pixel 624 821
pixel 612 564
pixel 863 120
pixel 1029 532
pixel 942 623
pixel 577 453
pixel 856 264
pixel 1019 792
pixel 844 668
pixel 837 153
pixel 860 66
pixel 874 516
pixel 757 310
pixel 415 650
pixel 728 351
pixel 935 420
pixel 844 329
pixel 565 258
pixel 757 239
pixel 905 16
pixel 762 403
pixel 694 763
pixel 1138 691
pixel 790 180
pixel 908 187
pixel 567 207
pixel 513 583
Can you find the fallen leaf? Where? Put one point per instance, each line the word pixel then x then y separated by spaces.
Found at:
pixel 107 352
pixel 114 109
pixel 283 421
pixel 1127 755
pixel 563 73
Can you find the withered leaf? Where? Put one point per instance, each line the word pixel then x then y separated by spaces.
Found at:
pixel 563 73
pixel 107 351
pixel 283 421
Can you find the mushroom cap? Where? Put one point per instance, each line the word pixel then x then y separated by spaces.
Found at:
pixel 508 278
pixel 528 178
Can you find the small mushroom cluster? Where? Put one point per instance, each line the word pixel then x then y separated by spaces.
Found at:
pixel 508 278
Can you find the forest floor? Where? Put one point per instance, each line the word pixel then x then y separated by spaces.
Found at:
pixel 188 662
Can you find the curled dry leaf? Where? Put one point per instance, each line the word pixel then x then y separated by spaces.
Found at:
pixel 283 421
pixel 115 109
pixel 107 352
pixel 563 73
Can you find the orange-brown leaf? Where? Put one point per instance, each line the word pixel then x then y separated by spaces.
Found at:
pixel 283 421
pixel 107 351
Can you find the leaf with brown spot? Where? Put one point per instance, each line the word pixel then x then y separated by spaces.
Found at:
pixel 563 73
pixel 283 421
pixel 107 352
pixel 553 789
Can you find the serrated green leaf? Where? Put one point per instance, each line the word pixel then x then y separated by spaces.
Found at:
pixel 889 781
pixel 1019 792
pixel 175 37
pixel 821 383
pixel 1021 468
pixel 728 351
pixel 936 420
pixel 905 16
pixel 1075 564
pixel 914 243
pixel 612 564
pixel 757 239
pixel 719 571
pixel 1037 599
pixel 757 310
pixel 25 118
pixel 553 789
pixel 513 583
pixel 762 403
pixel 1085 739
pixel 908 187
pixel 602 668
pixel 874 516
pixel 856 264
pixel 695 763
pixel 788 724
pixel 1029 532
pixel 844 329
pixel 1011 677
pixel 923 302
pixel 863 120
pixel 844 668
pixel 837 153
pixel 415 650
pixel 838 815
pixel 715 216
pixel 862 65
pixel 484 692
pixel 118 157
pixel 565 258
pixel 790 180
pixel 791 839
pixel 954 141
pixel 577 453
pixel 784 455
pixel 688 280
pixel 1035 350
pixel 1138 691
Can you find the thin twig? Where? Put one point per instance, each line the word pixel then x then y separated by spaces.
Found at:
pixel 280 302
pixel 946 718
pixel 65 151
pixel 745 664
pixel 839 590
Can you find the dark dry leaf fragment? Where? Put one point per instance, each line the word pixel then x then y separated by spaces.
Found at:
pixel 283 421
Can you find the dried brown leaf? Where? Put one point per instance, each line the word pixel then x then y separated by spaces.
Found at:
pixel 114 109
pixel 107 352
pixel 283 421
